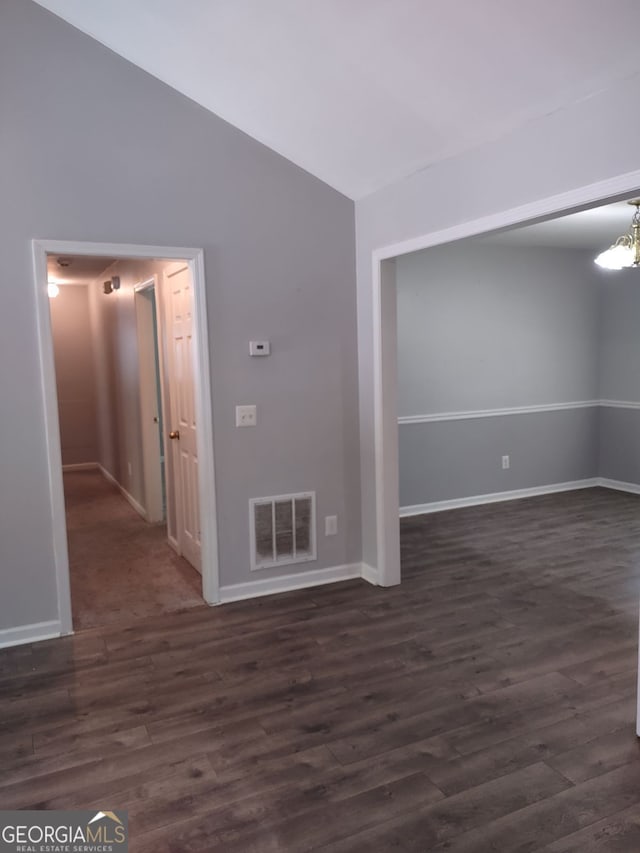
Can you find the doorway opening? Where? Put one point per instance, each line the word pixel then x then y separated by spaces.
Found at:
pixel 126 382
pixel 385 387
pixel 385 343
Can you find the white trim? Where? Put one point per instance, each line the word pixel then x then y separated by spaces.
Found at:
pixel 30 633
pixel 597 193
pixel 498 413
pixel 206 480
pixel 164 359
pixel 81 466
pixel 52 438
pixel 619 485
pixel 619 404
pixel 288 583
pixel 125 494
pixel 204 435
pixel 385 439
pixel 379 433
pixel 149 366
pixel 498 497
pixel 370 575
pixel 514 495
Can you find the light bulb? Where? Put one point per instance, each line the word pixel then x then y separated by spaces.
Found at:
pixel 615 258
pixel 52 289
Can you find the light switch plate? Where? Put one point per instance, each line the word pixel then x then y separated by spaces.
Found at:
pixel 246 416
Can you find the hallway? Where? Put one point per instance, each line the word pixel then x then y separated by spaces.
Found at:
pixel 122 568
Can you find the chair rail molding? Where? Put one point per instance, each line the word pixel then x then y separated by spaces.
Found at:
pixel 475 414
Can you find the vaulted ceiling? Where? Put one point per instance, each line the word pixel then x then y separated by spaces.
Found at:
pixel 362 93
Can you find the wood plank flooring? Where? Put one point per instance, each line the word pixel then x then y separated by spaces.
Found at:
pixel 487 705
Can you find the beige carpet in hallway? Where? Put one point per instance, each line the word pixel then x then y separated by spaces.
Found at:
pixel 122 568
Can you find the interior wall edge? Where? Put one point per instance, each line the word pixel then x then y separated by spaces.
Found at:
pixel 619 485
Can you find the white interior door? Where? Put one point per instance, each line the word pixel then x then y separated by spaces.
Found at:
pixel 181 430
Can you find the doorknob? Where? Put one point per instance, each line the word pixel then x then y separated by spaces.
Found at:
pixel 175 433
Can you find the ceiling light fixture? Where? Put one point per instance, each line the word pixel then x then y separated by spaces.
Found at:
pixel 625 252
pixel 52 289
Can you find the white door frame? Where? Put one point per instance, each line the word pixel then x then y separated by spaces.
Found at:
pixel 385 346
pixel 206 484
pixel 145 302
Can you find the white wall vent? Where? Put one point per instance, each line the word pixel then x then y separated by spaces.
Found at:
pixel 283 530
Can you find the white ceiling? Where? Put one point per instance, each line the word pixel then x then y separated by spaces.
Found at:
pixel 593 229
pixel 362 93
pixel 81 269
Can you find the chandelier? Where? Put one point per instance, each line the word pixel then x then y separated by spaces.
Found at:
pixel 625 252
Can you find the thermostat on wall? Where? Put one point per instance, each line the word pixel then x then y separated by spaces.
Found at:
pixel 259 348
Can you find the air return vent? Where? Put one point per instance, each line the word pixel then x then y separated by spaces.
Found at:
pixel 283 530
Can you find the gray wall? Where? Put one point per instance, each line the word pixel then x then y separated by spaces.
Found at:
pixel 564 151
pixel 490 327
pixel 152 167
pixel 620 336
pixel 75 379
pixel 620 376
pixel 483 327
pixel 619 445
pixel 458 459
pixel 487 327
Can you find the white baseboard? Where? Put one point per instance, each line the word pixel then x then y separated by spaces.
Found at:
pixel 287 583
pixel 125 494
pixel 497 497
pixel 81 466
pixel 29 633
pixel 619 485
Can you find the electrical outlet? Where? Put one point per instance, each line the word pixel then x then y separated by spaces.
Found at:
pixel 506 463
pixel 246 416
pixel 259 348
pixel 330 525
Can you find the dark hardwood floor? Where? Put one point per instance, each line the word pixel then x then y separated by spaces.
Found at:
pixel 487 704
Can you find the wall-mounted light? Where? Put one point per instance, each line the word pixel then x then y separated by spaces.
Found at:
pixel 52 289
pixel 111 284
